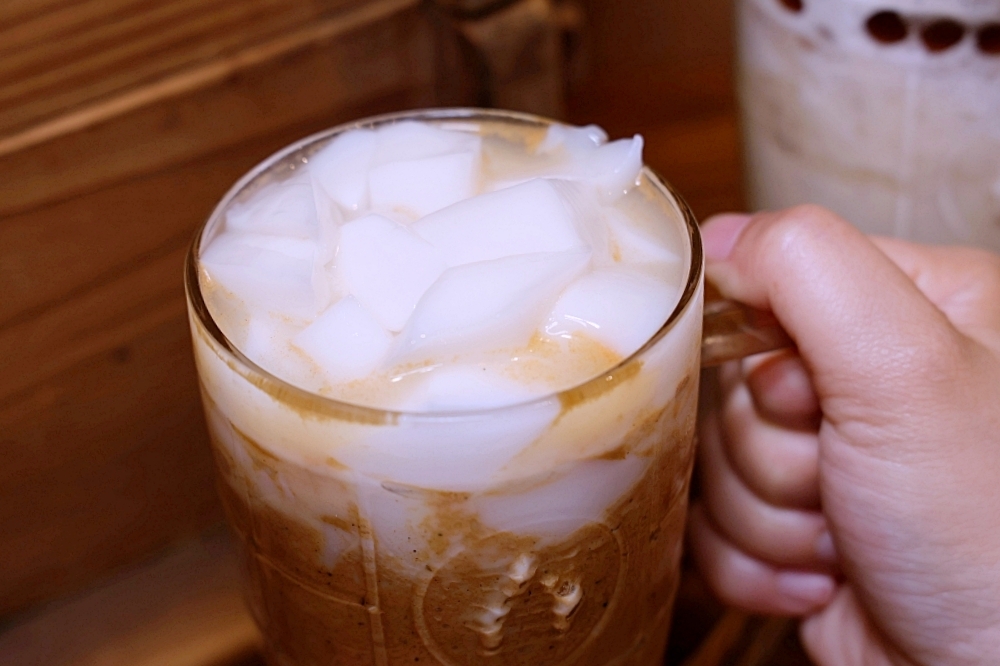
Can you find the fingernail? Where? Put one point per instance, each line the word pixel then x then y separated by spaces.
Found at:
pixel 720 233
pixel 825 549
pixel 809 588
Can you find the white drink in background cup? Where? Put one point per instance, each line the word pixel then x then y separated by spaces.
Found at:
pixel 448 430
pixel 885 111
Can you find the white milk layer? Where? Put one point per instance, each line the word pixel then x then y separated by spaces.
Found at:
pixel 595 268
pixel 899 138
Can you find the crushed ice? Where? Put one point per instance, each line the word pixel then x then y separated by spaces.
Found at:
pixel 413 246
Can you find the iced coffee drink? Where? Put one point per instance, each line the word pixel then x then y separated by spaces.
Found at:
pixel 883 110
pixel 449 362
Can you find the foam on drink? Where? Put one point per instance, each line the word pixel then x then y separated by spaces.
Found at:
pixel 493 482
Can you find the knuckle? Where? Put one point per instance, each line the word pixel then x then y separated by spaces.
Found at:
pixel 803 223
pixel 786 233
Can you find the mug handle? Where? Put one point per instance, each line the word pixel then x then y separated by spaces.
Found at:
pixel 732 330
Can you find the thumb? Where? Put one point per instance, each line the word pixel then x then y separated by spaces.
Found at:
pixel 869 337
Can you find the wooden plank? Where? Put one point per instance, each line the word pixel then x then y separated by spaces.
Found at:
pixel 54 58
pixel 377 48
pixel 183 609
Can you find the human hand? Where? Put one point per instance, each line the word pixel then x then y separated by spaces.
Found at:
pixel 856 482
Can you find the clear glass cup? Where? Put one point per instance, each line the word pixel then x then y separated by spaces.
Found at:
pixel 884 111
pixel 542 533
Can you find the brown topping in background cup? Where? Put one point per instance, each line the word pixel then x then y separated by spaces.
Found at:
pixel 792 5
pixel 988 39
pixel 887 27
pixel 942 34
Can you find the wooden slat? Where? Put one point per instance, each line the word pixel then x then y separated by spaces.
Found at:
pixel 184 609
pixel 54 58
pixel 146 50
pixel 168 121
pixel 66 250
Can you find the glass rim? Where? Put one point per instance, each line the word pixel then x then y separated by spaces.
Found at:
pixel 285 391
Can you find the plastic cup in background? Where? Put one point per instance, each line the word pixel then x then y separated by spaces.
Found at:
pixel 884 111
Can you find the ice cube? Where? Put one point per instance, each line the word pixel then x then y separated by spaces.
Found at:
pixel 424 185
pixel 621 309
pixel 465 387
pixel 258 270
pixel 268 344
pixel 280 209
pixel 613 168
pixel 524 219
pixel 330 218
pixel 571 139
pixel 345 341
pixel 341 168
pixel 386 267
pixel 579 154
pixel 295 248
pixel 616 166
pixel 489 305
pixel 587 214
pixel 633 245
pixel 411 140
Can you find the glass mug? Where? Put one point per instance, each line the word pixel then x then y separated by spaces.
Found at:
pixel 541 533
pixel 884 111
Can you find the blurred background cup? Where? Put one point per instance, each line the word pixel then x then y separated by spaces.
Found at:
pixel 886 111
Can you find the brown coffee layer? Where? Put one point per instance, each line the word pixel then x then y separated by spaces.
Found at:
pixel 467 594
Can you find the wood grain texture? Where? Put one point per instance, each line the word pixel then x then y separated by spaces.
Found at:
pixel 55 56
pixel 332 64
